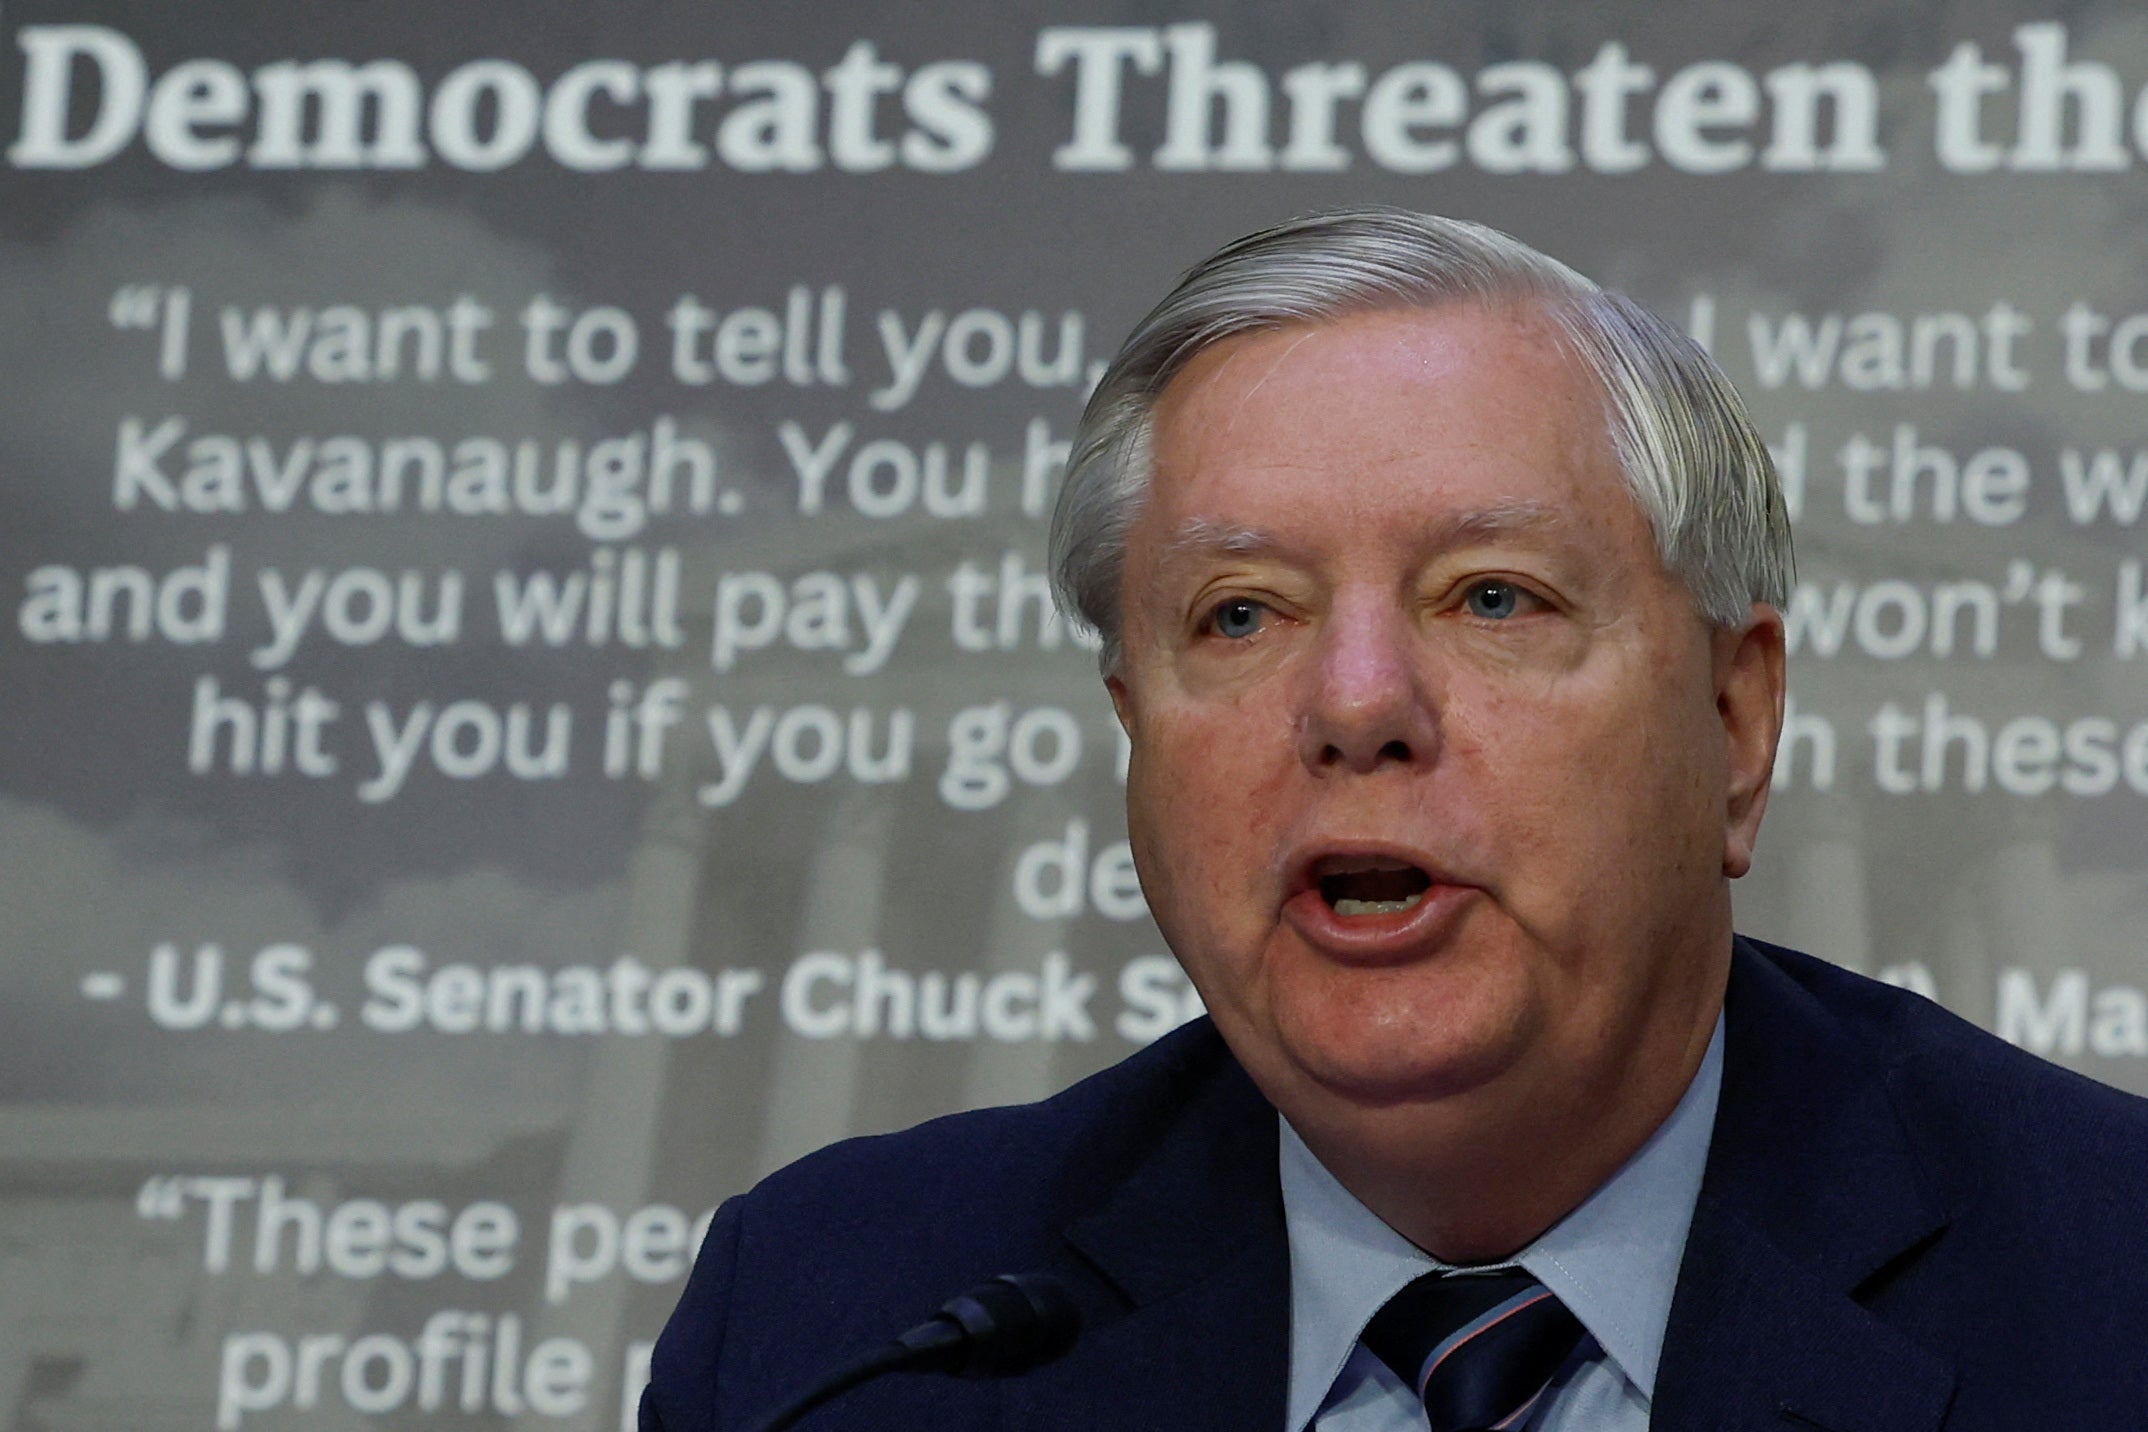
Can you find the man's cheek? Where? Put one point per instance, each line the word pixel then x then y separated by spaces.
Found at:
pixel 1512 731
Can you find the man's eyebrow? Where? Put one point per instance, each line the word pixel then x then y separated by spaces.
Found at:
pixel 1201 536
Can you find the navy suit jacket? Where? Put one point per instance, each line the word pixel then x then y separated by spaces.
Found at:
pixel 1904 1225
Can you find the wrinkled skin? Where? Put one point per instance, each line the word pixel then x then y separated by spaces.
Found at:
pixel 1390 603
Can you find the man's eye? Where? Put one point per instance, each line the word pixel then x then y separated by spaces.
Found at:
pixel 1237 618
pixel 1494 600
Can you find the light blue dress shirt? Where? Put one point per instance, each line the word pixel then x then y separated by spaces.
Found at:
pixel 1613 1261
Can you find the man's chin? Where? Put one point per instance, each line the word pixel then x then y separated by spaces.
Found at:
pixel 1373 1079
pixel 1396 1037
pixel 1355 1068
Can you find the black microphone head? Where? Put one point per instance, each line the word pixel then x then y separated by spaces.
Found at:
pixel 1015 1322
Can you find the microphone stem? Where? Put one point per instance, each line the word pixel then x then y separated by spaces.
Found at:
pixel 885 1358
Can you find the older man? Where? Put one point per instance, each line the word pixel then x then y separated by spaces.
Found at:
pixel 1439 596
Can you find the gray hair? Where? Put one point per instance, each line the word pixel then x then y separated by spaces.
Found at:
pixel 1687 447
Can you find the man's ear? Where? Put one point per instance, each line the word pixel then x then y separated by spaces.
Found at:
pixel 1749 693
pixel 1120 702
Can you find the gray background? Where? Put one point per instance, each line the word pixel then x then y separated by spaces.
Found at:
pixel 110 1313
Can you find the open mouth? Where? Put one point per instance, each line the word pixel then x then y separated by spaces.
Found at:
pixel 1361 886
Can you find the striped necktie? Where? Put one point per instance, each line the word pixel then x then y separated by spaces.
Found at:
pixel 1478 1347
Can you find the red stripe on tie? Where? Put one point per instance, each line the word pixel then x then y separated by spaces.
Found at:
pixel 1520 1414
pixel 1472 1333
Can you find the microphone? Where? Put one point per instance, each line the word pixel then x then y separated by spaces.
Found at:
pixel 1011 1324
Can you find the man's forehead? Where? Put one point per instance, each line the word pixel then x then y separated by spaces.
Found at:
pixel 1338 380
pixel 1417 432
pixel 1198 537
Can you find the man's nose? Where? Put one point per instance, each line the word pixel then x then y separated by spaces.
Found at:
pixel 1368 704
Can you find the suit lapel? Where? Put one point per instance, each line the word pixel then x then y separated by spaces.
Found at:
pixel 1811 1189
pixel 1188 1264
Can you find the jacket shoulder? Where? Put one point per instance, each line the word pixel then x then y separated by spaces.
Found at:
pixel 1016 1164
pixel 1997 1124
pixel 849 1245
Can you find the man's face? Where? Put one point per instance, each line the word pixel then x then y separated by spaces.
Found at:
pixel 1437 772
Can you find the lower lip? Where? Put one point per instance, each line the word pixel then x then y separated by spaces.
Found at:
pixel 1378 939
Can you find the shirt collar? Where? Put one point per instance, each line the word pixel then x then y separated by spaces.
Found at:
pixel 1613 1261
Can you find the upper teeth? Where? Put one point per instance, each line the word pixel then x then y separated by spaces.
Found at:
pixel 1347 906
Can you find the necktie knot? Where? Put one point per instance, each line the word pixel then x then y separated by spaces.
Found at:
pixel 1478 1347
